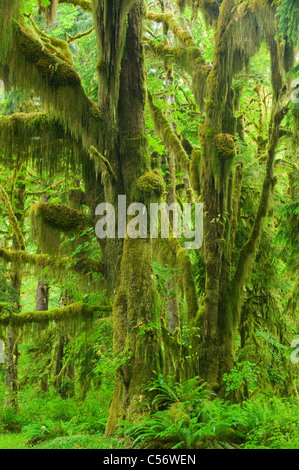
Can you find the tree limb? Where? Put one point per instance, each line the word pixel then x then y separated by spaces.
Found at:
pixel 69 312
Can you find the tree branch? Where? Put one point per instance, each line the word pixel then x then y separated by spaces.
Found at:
pixel 57 82
pixel 84 4
pixel 60 263
pixel 72 311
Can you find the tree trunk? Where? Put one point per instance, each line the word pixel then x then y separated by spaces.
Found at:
pixel 136 332
pixel 42 302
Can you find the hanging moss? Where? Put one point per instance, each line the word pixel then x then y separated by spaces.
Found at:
pixel 9 12
pixel 249 249
pixel 60 217
pixel 72 311
pixel 195 170
pixel 209 8
pixel 170 252
pixel 110 19
pixel 48 220
pixel 39 138
pixel 58 264
pixel 31 66
pixel 186 58
pixel 226 146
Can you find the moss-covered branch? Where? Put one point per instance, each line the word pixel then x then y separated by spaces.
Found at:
pixel 186 58
pixel 49 220
pixel 96 155
pixel 56 46
pixel 79 36
pixel 57 263
pixel 73 311
pixel 84 4
pixel 181 34
pixel 31 65
pixel 60 217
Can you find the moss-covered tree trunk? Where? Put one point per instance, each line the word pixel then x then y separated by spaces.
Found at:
pixel 42 305
pixel 136 339
pixel 221 186
pixel 12 347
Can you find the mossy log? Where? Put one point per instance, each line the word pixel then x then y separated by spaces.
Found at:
pixel 73 311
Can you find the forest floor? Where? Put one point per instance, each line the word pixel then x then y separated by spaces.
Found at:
pixel 12 441
pixel 18 441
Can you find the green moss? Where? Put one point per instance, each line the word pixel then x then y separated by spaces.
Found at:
pixel 183 35
pixel 226 147
pixel 136 330
pixel 9 12
pixel 187 58
pixel 31 66
pixel 151 183
pixel 30 136
pixel 195 170
pixel 48 220
pixel 84 4
pixel 61 217
pixel 58 264
pixel 72 311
